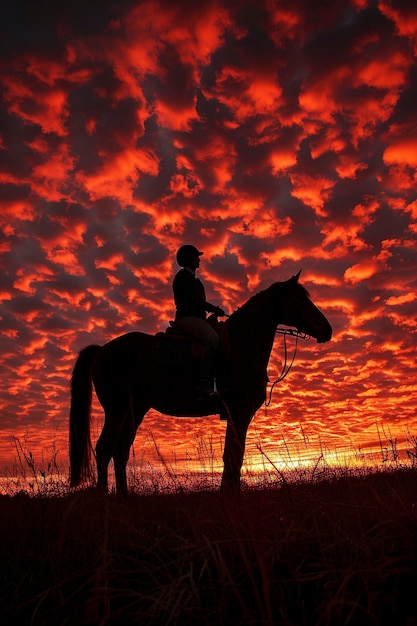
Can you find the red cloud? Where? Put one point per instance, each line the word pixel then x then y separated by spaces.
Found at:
pixel 404 15
pixel 402 144
pixel 314 191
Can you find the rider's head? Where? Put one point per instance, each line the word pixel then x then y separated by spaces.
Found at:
pixel 188 256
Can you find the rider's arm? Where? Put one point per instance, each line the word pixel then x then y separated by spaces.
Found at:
pixel 212 308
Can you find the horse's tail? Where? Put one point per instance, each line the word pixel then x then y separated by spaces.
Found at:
pixel 79 430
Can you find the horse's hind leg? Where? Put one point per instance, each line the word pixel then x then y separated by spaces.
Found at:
pixel 121 455
pixel 103 455
pixel 106 445
pixel 122 447
pixel 121 458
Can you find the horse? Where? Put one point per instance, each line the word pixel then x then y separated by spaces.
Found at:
pixel 127 383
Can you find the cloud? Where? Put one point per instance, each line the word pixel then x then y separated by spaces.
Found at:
pixel 273 137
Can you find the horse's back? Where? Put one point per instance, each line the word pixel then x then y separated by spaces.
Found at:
pixel 129 341
pixel 123 355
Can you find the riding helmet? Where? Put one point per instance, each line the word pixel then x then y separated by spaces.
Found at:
pixel 185 253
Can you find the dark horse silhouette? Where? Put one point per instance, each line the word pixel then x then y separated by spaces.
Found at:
pixel 128 384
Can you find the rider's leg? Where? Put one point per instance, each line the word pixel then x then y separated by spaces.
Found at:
pixel 203 332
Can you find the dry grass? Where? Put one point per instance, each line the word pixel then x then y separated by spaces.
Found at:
pixel 340 550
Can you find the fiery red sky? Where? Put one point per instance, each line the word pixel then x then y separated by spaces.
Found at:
pixel 274 135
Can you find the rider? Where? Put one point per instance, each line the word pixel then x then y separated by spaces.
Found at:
pixel 191 308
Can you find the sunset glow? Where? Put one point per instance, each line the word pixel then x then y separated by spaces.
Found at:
pixel 274 136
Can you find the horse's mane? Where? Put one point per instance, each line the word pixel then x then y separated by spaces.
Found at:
pixel 257 301
pixel 250 306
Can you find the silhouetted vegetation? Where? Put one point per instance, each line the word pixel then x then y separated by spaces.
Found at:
pixel 335 551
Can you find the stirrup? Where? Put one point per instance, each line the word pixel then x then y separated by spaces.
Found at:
pixel 206 392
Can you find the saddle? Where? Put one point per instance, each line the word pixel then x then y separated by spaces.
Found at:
pixel 175 371
pixel 174 347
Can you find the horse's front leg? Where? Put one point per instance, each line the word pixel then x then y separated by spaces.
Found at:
pixel 234 450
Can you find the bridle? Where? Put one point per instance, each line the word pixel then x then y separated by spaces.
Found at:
pixel 292 332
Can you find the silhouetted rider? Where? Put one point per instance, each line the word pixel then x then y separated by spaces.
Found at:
pixel 191 308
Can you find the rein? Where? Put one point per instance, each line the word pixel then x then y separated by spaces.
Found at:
pixel 286 368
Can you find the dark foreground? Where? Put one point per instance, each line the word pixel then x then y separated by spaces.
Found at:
pixel 340 552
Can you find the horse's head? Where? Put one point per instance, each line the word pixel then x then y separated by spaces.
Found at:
pixel 297 309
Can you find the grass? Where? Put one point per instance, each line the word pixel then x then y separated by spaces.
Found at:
pixel 325 548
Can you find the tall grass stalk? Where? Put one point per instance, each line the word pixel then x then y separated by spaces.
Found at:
pixel 201 469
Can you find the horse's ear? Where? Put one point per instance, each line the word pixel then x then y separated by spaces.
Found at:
pixel 296 277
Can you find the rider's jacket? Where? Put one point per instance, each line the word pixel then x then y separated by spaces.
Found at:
pixel 190 295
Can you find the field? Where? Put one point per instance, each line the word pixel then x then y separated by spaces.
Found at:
pixel 336 549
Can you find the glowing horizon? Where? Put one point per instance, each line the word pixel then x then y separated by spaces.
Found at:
pixel 273 136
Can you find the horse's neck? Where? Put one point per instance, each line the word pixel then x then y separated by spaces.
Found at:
pixel 252 331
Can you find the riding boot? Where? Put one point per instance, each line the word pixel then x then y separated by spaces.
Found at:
pixel 206 382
